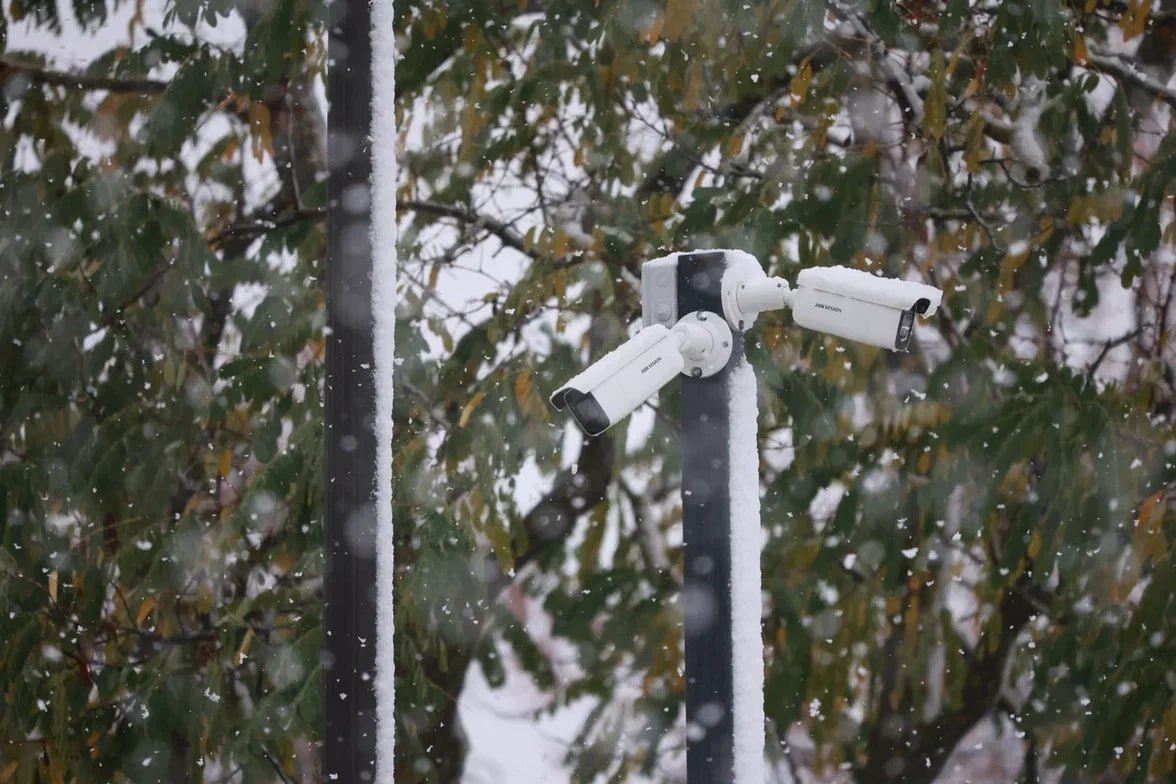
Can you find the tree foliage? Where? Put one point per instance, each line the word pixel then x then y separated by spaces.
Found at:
pixel 160 395
pixel 974 535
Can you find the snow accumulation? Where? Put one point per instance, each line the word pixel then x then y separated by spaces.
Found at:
pixel 383 239
pixel 746 544
pixel 858 284
pixel 746 595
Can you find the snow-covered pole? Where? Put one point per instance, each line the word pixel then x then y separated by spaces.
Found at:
pixel 352 503
pixel 385 180
pixel 721 542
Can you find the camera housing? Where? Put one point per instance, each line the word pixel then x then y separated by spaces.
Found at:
pixel 699 345
pixel 856 305
pixel 611 388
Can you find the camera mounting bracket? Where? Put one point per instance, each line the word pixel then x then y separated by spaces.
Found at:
pixel 706 343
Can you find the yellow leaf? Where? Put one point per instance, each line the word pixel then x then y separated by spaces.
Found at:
pixel 9 772
pixel 53 586
pixel 924 463
pixel 693 85
pixel 1009 266
pixel 653 32
pixel 224 464
pixel 974 84
pixel 799 86
pixel 243 651
pixel 469 409
pixel 145 609
pixel 735 145
pixel 1134 19
pixel 469 38
pixel 1080 53
pixel 259 126
pixel 434 22
pixel 1148 538
pixel 522 387
pixel 560 243
pixel 500 544
pixel 679 18
pixel 589 549
pixel 935 107
pixel 472 121
pixel 1090 6
pixel 974 144
pixel 1034 545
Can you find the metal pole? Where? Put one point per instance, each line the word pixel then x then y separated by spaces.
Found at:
pixel 706 513
pixel 349 604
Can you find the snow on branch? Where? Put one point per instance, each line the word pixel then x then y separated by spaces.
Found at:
pixel 1121 69
pixel 898 79
pixel 507 234
pixel 41 75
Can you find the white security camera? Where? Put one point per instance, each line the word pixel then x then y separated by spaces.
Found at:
pixel 859 306
pixel 845 302
pixel 615 385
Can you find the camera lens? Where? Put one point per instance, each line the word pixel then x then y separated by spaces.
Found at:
pixel 906 329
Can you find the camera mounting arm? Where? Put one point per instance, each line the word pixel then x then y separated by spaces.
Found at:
pixel 746 297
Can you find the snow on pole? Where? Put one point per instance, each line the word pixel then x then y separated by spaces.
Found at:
pixel 747 660
pixel 385 175
pixel 746 598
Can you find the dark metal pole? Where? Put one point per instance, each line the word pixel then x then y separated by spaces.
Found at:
pixel 706 512
pixel 349 604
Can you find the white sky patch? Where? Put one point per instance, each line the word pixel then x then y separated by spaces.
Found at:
pixel 385 177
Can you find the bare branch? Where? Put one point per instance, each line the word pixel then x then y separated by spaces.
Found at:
pixel 42 75
pixel 1110 344
pixel 250 229
pixel 507 234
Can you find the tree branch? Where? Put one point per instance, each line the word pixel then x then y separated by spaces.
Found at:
pixel 924 749
pixel 251 229
pixel 1127 72
pixel 575 492
pixel 42 75
pixel 507 234
pixel 899 82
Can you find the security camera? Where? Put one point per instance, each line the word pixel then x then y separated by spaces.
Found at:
pixel 610 389
pixel 845 302
pixel 859 306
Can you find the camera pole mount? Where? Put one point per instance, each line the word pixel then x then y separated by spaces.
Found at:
pixel 705 343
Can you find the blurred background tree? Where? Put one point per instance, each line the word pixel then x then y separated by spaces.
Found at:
pixel 161 314
pixel 967 560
